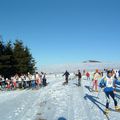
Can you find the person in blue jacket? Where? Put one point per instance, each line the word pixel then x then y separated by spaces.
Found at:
pixel 108 84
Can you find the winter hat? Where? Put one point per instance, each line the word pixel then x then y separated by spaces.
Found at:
pixel 97 70
pixel 109 71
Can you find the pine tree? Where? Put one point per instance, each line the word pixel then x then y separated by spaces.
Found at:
pixel 24 61
pixel 9 68
pixel 15 58
pixel 29 61
pixel 1 56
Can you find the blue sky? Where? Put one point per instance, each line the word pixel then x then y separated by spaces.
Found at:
pixel 64 31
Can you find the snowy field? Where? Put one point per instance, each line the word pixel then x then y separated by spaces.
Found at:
pixel 55 101
pixel 82 66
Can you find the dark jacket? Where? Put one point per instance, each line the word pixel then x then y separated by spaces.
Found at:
pixel 66 74
pixel 79 75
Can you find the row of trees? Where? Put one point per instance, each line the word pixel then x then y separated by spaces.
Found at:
pixel 15 58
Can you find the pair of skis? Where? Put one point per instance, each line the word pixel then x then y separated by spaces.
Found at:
pixel 107 113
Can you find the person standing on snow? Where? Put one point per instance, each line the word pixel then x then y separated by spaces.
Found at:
pixel 119 73
pixel 38 80
pixel 108 84
pixel 83 72
pixel 3 83
pixel 44 80
pixel 66 74
pixel 8 84
pixel 14 82
pixel 20 82
pixel 33 85
pixel 95 80
pixel 88 75
pixel 79 77
pixel 30 77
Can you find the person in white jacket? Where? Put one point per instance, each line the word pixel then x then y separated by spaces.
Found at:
pixel 38 79
pixel 20 82
pixel 96 76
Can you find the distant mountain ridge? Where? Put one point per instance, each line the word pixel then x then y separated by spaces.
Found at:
pixel 92 61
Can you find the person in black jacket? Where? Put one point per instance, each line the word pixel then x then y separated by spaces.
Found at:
pixel 66 74
pixel 79 77
pixel 119 73
pixel 44 80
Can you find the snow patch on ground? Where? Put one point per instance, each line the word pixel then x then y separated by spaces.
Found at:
pixel 56 100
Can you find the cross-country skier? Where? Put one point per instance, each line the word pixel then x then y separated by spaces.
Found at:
pixel 66 74
pixel 88 75
pixel 44 80
pixel 79 77
pixel 108 84
pixel 96 76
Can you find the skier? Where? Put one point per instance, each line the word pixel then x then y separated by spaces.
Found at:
pixel 88 75
pixel 79 77
pixel 102 74
pixel 44 80
pixel 96 76
pixel 119 73
pixel 108 84
pixel 83 72
pixel 116 82
pixel 66 74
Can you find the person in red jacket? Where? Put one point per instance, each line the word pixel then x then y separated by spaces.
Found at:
pixel 8 84
pixel 88 75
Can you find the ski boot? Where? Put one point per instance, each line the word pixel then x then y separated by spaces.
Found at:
pixel 65 83
pixel 117 108
pixel 96 90
pixel 106 111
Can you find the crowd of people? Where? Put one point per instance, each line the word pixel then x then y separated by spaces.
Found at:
pixel 108 80
pixel 23 81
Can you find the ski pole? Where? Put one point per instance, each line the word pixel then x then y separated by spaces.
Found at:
pixel 118 98
pixel 99 93
pixel 96 97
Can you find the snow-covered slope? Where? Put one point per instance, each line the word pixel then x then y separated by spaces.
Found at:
pixel 55 101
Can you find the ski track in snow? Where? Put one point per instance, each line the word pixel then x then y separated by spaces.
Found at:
pixel 15 106
pixel 55 101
